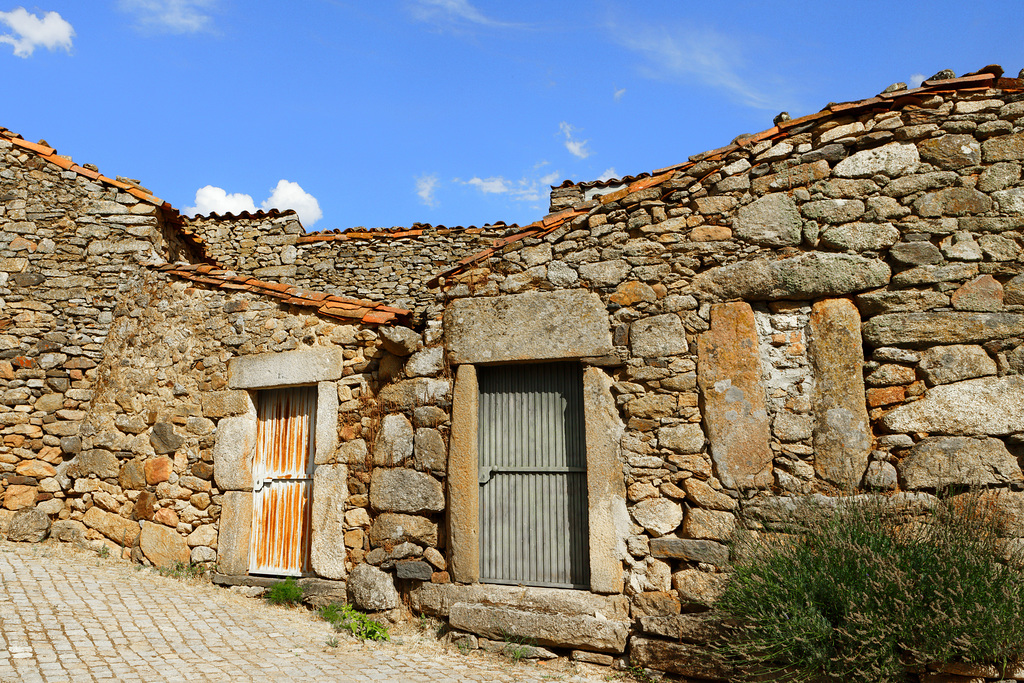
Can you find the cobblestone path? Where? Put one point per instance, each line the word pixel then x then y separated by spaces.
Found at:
pixel 68 615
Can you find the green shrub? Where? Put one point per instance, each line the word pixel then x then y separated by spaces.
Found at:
pixel 863 593
pixel 347 618
pixel 286 592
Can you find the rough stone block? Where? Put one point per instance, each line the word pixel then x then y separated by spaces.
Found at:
pixel 287 368
pixel 429 450
pixel 28 525
pixel 729 377
pixel 233 453
pixel 683 438
pixel 684 659
pixel 162 546
pixel 326 437
pixel 97 462
pixel 414 393
pixel 947 364
pixel 463 486
pixel 893 160
pixel 394 443
pixel 658 516
pixel 659 335
pixel 395 528
pixel 991 406
pixel 235 528
pixel 437 600
pixel 773 220
pixel 217 404
pixel 548 630
pixel 402 490
pixel 842 437
pixel 807 276
pixel 939 461
pixel 116 528
pixel 330 491
pixel 372 589
pixel 941 327
pixel 530 326
pixel 414 570
pixel 693 550
pixel 609 522
pixel 163 439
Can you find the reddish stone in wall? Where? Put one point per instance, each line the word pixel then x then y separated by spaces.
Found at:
pixel 729 378
pixel 842 436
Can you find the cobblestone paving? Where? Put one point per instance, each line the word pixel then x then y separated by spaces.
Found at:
pixel 68 615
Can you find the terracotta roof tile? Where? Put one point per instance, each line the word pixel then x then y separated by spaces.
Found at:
pixel 328 305
pixel 38 149
pixel 975 79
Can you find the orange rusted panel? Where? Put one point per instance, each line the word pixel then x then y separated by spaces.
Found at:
pixel 280 539
pixel 282 484
pixel 284 436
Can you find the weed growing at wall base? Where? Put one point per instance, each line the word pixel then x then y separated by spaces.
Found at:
pixel 868 591
pixel 285 592
pixel 347 618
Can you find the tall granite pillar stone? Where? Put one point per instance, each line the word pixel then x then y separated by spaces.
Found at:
pixel 842 438
pixel 729 377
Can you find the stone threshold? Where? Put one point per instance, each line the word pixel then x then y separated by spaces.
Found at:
pixel 315 591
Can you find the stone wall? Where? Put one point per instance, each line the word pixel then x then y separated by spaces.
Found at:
pixel 392 267
pixel 68 244
pixel 164 396
pixel 831 309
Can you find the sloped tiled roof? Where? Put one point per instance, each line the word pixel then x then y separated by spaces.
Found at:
pixel 171 215
pixel 415 230
pixel 981 80
pixel 897 99
pixel 270 213
pixel 327 305
pixel 209 273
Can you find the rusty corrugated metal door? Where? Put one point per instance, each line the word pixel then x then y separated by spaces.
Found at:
pixel 533 477
pixel 282 482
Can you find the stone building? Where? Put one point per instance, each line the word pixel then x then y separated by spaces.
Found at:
pixel 549 431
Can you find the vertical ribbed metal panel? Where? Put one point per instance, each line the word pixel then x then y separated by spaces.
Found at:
pixel 279 543
pixel 284 433
pixel 533 494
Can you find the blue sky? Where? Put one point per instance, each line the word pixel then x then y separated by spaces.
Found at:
pixel 454 112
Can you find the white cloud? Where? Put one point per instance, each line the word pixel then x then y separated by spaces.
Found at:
pixel 172 16
pixel 578 148
pixel 619 92
pixel 289 195
pixel 706 56
pixel 492 185
pixel 453 14
pixel 212 199
pixel 523 190
pixel 550 178
pixel 916 80
pixel 426 186
pixel 286 195
pixel 608 174
pixel 30 31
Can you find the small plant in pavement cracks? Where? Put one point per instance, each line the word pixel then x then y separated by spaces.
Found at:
pixel 331 642
pixel 347 618
pixel 183 570
pixel 286 592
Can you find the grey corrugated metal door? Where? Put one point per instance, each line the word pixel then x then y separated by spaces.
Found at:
pixel 281 475
pixel 533 478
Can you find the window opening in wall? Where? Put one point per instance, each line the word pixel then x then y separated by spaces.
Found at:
pixel 533 475
pixel 283 481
